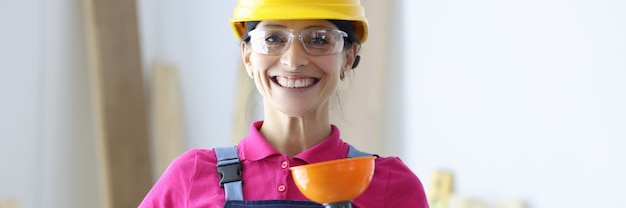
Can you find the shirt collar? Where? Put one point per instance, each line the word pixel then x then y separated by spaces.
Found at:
pixel 331 148
pixel 255 147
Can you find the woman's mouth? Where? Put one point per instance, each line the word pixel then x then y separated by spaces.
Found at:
pixel 301 82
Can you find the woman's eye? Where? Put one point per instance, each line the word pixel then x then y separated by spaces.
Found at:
pixel 274 38
pixel 318 41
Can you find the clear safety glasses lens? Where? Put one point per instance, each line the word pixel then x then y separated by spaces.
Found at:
pixel 275 41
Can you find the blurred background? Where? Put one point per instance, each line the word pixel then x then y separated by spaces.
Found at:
pixel 493 103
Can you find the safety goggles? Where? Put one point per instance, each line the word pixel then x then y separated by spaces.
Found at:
pixel 274 40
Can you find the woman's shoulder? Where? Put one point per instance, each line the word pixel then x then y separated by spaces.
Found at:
pixel 185 180
pixel 205 155
pixel 401 186
pixel 195 157
pixel 394 165
pixel 188 164
pixel 390 160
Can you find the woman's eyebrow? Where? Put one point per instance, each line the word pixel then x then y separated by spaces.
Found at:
pixel 272 25
pixel 307 27
pixel 317 26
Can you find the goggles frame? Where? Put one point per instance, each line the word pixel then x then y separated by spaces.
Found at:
pixel 313 40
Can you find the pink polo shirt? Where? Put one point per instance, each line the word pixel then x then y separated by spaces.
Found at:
pixel 191 180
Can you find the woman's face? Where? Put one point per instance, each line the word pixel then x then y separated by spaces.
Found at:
pixel 295 82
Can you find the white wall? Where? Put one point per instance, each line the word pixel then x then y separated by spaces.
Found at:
pixel 195 37
pixel 47 145
pixel 520 99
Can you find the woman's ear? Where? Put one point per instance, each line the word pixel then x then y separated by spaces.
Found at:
pixel 352 58
pixel 245 56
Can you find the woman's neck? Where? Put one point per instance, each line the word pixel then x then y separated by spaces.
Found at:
pixel 291 135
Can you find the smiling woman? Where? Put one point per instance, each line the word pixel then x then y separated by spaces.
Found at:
pixel 297 53
pixel 291 64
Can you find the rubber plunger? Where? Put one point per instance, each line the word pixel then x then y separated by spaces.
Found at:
pixel 334 183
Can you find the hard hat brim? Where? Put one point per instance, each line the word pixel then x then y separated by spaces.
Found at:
pixel 299 12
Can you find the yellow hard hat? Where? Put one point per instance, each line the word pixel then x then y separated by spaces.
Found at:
pixel 259 10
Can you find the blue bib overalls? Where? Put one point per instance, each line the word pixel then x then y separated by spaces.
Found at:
pixel 229 169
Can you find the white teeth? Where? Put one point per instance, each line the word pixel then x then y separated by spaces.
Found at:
pixel 295 83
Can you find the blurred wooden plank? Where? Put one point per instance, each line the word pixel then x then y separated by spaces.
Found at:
pixel 119 101
pixel 166 119
pixel 9 203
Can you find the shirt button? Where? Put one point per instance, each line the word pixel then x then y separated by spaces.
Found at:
pixel 281 188
pixel 284 164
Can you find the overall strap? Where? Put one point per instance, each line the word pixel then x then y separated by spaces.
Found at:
pixel 229 169
pixel 353 152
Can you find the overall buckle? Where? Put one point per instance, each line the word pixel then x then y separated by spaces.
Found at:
pixel 229 173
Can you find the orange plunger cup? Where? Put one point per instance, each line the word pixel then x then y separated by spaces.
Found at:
pixel 334 183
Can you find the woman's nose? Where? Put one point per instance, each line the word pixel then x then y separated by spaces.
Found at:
pixel 295 56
